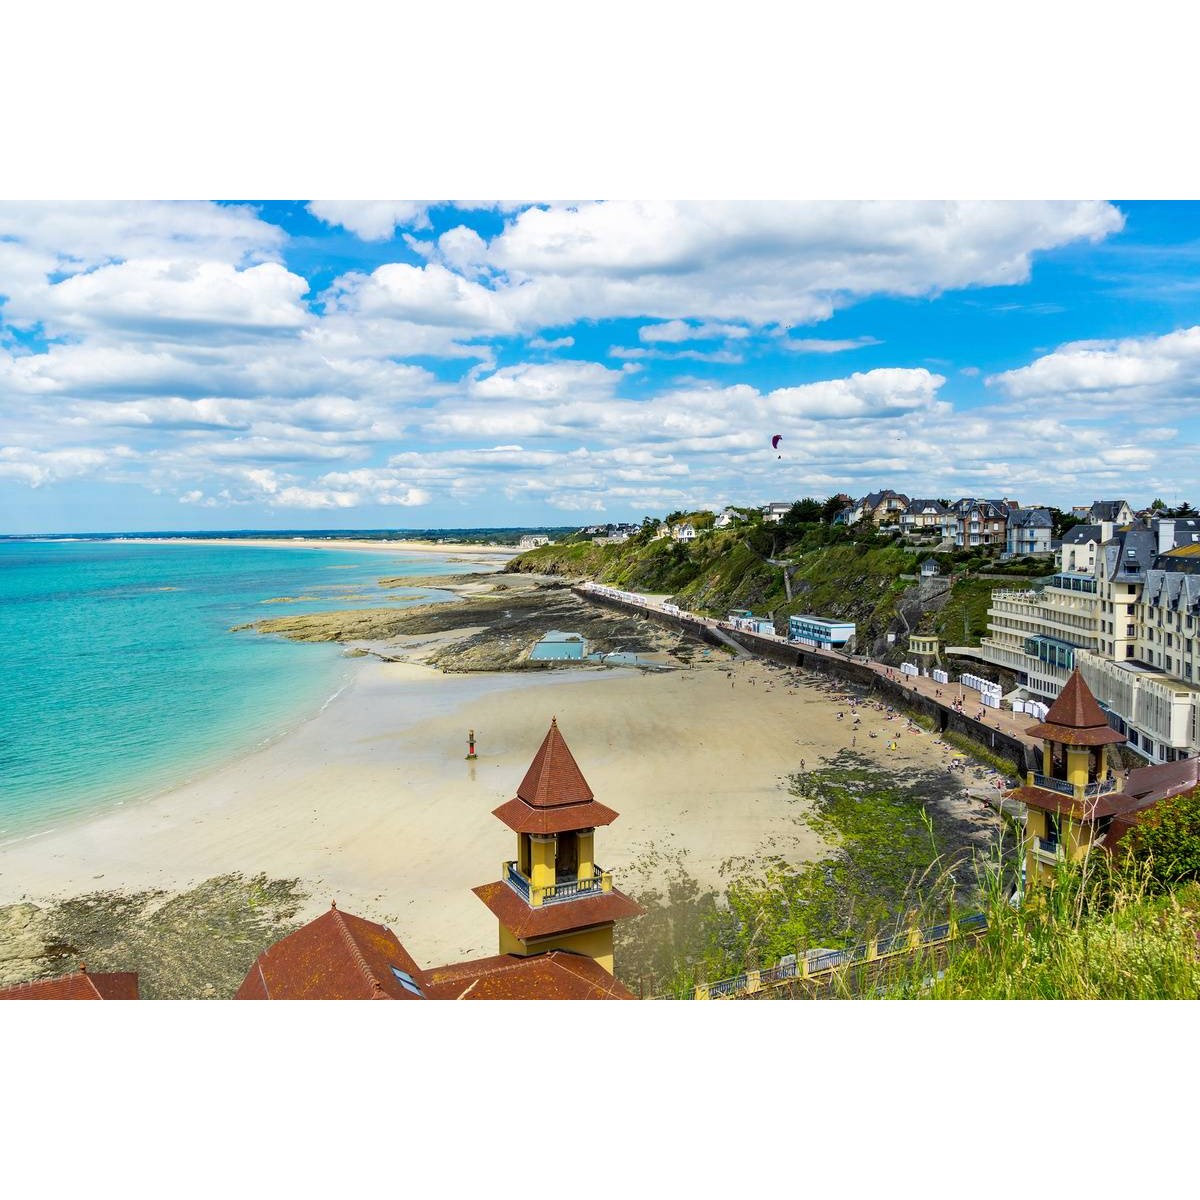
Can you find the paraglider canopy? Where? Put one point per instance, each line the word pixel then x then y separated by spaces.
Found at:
pixel 775 443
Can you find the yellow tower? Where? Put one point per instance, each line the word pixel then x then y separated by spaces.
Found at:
pixel 553 896
pixel 1074 798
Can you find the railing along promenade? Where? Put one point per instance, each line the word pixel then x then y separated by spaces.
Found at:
pixel 818 965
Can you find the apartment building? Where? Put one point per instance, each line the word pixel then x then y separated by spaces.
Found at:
pixel 1038 632
pixel 1131 625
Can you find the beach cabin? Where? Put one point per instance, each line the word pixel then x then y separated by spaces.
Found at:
pixel 558 646
pixel 744 619
pixel 821 632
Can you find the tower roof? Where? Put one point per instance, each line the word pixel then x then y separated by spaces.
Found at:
pixel 554 797
pixel 1075 719
pixel 554 777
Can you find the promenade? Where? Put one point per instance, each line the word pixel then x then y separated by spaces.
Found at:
pixel 953 698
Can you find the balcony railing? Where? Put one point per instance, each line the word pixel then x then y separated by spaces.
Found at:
pixel 556 893
pixel 1050 784
pixel 572 889
pixel 1102 787
pixel 516 880
pixel 1047 851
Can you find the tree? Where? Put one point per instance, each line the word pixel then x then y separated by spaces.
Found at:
pixel 1157 505
pixel 1062 522
pixel 831 508
pixel 1184 510
pixel 1167 838
pixel 803 512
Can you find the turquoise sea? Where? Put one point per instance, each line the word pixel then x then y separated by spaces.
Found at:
pixel 120 674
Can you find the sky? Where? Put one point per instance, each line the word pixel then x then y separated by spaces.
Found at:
pixel 403 364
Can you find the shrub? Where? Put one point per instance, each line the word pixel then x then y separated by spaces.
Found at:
pixel 1167 839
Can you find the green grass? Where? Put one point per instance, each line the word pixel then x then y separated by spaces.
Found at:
pixel 1098 933
pixel 964 620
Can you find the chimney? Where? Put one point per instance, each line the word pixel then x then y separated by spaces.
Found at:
pixel 1166 535
pixel 1106 531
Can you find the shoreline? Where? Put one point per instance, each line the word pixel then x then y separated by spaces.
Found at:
pixel 401 546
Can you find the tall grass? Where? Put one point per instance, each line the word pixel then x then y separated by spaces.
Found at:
pixel 1101 931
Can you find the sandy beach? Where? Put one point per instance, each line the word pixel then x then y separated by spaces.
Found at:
pixel 472 551
pixel 371 802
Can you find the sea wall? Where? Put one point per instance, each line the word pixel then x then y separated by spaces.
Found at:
pixel 841 666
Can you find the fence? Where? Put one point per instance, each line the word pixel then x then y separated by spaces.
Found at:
pixel 815 964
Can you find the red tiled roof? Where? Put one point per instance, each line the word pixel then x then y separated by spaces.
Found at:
pixel 1167 779
pixel 523 818
pixel 336 957
pixel 558 975
pixel 554 777
pixel 525 921
pixel 1075 719
pixel 1068 806
pixel 118 985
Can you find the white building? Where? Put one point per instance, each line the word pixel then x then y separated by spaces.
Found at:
pixel 1131 625
pixel 685 531
pixel 774 512
pixel 531 541
pixel 725 518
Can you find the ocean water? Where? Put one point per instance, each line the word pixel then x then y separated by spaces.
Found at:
pixel 120 675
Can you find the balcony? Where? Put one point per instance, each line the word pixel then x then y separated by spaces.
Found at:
pixel 558 892
pixel 1047 852
pixel 1102 787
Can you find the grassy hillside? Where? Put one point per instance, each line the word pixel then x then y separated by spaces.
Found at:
pixel 723 570
pixel 832 573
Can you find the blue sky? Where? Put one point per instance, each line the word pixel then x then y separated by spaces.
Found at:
pixel 206 365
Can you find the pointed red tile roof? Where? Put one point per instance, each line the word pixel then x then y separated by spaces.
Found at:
pixel 336 957
pixel 1075 719
pixel 554 777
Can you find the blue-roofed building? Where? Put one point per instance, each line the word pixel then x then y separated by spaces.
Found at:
pixel 558 646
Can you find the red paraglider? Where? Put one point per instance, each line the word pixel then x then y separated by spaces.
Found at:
pixel 775 443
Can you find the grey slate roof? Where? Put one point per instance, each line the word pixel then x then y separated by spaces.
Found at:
pixel 1172 589
pixel 1105 510
pixel 1032 518
pixel 916 507
pixel 1080 535
pixel 1135 554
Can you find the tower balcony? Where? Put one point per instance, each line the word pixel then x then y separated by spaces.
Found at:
pixel 1101 787
pixel 559 892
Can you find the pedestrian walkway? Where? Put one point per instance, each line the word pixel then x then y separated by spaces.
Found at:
pixel 951 697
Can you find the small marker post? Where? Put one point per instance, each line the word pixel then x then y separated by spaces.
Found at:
pixel 470 745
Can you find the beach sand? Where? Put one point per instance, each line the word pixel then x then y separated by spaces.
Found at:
pixel 371 802
pixel 466 551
